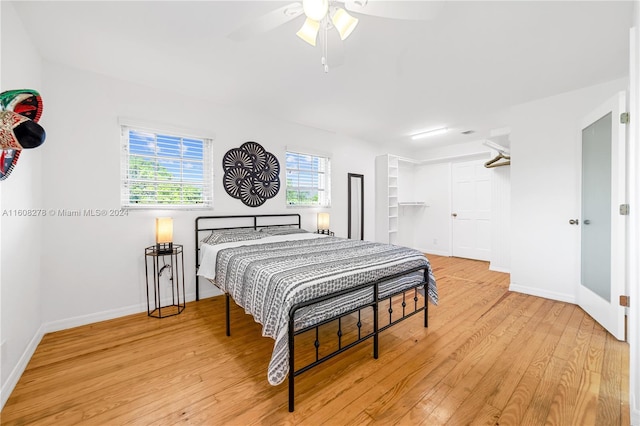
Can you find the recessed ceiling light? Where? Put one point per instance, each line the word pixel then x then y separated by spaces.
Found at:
pixel 432 132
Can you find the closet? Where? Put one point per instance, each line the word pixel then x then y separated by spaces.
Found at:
pixel 415 203
pixel 387 199
pixel 399 202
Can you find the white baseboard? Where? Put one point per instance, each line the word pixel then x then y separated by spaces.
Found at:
pixel 16 373
pixel 635 411
pixel 534 291
pixel 434 252
pixel 66 323
pixel 499 269
pixel 117 313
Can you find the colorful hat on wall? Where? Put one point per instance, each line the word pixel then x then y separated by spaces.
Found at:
pixel 19 129
pixel 8 161
pixel 25 102
pixel 18 132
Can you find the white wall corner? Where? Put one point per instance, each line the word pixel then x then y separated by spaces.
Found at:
pixel 16 373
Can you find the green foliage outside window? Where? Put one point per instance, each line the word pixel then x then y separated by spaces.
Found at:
pixel 301 197
pixel 154 184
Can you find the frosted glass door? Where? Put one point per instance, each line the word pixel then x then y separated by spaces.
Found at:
pixel 596 207
pixel 602 228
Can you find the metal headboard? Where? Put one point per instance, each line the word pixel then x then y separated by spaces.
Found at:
pixel 213 223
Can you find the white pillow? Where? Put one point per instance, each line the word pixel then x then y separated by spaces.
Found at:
pixel 233 235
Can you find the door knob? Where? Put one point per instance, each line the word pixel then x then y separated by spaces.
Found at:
pixel 454 214
pixel 587 222
pixel 574 221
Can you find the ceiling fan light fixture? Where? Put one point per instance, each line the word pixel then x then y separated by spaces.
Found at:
pixel 432 132
pixel 315 9
pixel 309 31
pixel 344 23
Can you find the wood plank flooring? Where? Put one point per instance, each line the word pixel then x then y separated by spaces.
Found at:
pixel 489 357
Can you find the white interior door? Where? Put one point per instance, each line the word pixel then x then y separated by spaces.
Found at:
pixel 471 210
pixel 602 227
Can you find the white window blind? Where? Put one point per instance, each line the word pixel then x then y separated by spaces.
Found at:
pixel 308 180
pixel 165 170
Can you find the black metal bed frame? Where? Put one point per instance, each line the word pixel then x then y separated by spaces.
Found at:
pixel 254 222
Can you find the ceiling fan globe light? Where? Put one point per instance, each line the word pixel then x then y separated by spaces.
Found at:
pixel 315 9
pixel 344 23
pixel 309 31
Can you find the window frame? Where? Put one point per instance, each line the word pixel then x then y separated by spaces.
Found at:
pixel 327 177
pixel 207 181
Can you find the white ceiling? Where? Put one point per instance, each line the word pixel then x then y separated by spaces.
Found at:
pixel 462 69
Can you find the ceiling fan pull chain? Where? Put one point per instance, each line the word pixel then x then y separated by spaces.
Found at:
pixel 325 48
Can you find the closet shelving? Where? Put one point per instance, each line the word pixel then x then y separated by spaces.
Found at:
pixel 407 184
pixel 387 207
pixel 398 199
pixel 395 191
pixel 412 204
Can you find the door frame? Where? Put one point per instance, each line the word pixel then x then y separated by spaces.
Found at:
pixel 587 299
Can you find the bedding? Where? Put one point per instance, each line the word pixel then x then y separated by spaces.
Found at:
pixel 270 275
pixel 232 235
pixel 282 230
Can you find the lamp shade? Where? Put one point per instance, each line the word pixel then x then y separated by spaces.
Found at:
pixel 164 230
pixel 323 221
pixel 344 23
pixel 309 31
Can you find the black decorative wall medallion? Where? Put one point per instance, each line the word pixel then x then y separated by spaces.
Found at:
pixel 251 174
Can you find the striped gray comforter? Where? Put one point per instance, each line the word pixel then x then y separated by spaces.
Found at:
pixel 268 279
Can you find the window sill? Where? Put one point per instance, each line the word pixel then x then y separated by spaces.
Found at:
pixel 307 206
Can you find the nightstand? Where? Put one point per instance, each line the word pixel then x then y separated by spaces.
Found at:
pixel 170 265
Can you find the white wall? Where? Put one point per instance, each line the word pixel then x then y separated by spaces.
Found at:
pixel 21 237
pixel 433 229
pixel 544 190
pixel 500 260
pixel 96 267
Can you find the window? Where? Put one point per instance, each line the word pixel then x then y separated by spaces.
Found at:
pixel 308 180
pixel 163 170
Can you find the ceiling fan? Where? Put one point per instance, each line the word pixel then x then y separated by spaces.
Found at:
pixel 321 16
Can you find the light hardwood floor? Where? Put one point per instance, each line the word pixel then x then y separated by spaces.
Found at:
pixel 489 356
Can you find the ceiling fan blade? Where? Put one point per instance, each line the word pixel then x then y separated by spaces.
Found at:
pixel 409 10
pixel 267 22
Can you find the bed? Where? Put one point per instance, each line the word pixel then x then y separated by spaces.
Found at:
pixel 294 282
